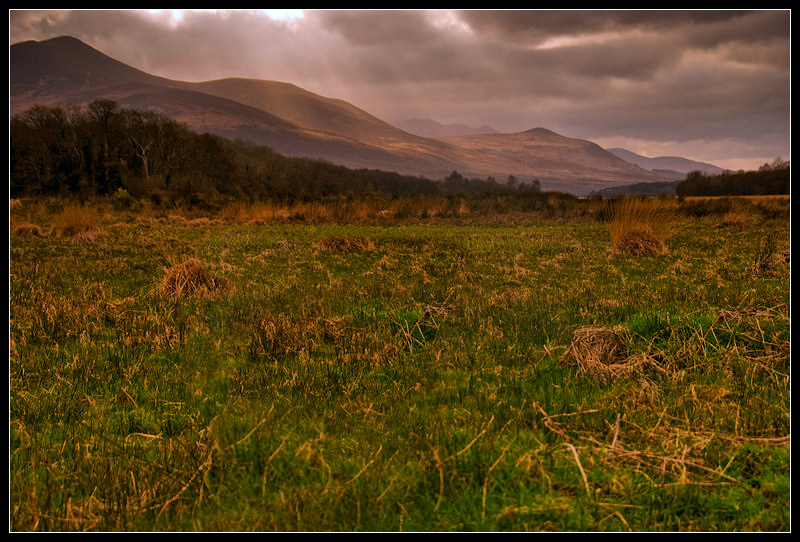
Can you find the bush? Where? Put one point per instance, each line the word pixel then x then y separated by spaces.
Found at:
pixel 122 201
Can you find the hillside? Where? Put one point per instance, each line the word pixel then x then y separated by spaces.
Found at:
pixel 681 166
pixel 296 122
pixel 553 158
pixel 431 128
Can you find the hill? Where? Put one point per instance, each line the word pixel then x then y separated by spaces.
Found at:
pixel 666 165
pixel 298 123
pixel 431 128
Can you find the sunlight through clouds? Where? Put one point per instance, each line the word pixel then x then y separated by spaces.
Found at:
pixel 659 76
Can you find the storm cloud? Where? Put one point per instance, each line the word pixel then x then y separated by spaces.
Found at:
pixel 708 85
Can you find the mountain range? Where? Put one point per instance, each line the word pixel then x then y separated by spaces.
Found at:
pixel 666 165
pixel 296 122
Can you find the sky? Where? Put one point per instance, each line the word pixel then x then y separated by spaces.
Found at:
pixel 711 85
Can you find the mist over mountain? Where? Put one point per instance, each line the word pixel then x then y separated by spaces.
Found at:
pixel 298 123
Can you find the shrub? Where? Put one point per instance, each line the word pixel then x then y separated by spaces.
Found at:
pixel 122 201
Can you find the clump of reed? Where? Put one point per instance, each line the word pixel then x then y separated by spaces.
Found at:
pixel 598 351
pixel 345 244
pixel 604 353
pixel 191 278
pixel 74 220
pixel 640 226
pixel 27 229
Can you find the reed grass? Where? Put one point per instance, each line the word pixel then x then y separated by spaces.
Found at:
pixel 641 226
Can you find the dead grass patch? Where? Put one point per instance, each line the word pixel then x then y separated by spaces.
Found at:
pixel 639 226
pixel 191 278
pixel 27 229
pixel 88 237
pixel 639 240
pixel 74 220
pixel 604 353
pixel 345 244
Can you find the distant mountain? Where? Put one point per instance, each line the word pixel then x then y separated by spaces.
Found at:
pixel 557 161
pixel 666 165
pixel 296 122
pixel 431 128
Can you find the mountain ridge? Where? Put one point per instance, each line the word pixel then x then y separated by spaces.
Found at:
pixel 668 163
pixel 297 122
pixel 432 128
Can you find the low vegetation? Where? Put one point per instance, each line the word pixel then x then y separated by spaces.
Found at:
pixel 428 362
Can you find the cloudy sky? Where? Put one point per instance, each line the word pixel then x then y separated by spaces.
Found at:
pixel 708 85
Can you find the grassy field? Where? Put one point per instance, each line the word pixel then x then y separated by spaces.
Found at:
pixel 394 366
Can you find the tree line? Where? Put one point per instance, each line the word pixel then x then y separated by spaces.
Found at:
pixel 102 148
pixel 769 179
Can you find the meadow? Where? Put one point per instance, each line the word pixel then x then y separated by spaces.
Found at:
pixel 411 364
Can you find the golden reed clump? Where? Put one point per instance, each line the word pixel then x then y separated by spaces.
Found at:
pixel 640 226
pixel 191 278
pixel 345 244
pixel 26 228
pixel 74 220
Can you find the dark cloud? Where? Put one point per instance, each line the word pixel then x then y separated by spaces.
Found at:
pixel 712 82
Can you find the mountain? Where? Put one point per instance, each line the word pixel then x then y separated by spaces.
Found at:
pixel 431 128
pixel 666 165
pixel 296 122
pixel 554 159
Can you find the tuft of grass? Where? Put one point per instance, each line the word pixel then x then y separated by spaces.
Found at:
pixel 27 229
pixel 191 278
pixel 345 244
pixel 600 352
pixel 640 226
pixel 75 219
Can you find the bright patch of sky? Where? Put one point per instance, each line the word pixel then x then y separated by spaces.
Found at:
pixel 175 16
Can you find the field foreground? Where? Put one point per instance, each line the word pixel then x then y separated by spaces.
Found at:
pixel 174 371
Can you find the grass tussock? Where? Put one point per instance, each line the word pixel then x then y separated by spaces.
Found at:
pixel 191 278
pixel 345 244
pixel 598 351
pixel 603 353
pixel 74 220
pixel 26 229
pixel 640 226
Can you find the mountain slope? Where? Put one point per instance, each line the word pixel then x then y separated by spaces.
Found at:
pixel 553 158
pixel 296 122
pixel 668 163
pixel 431 128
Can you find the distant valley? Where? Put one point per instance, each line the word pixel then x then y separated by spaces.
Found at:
pixel 296 122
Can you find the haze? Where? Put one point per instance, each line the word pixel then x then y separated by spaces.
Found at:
pixel 712 86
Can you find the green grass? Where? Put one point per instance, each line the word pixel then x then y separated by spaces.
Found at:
pixel 416 384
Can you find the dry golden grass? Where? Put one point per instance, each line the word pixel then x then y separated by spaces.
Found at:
pixel 191 278
pixel 602 353
pixel 598 351
pixel 26 229
pixel 640 226
pixel 74 220
pixel 345 244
